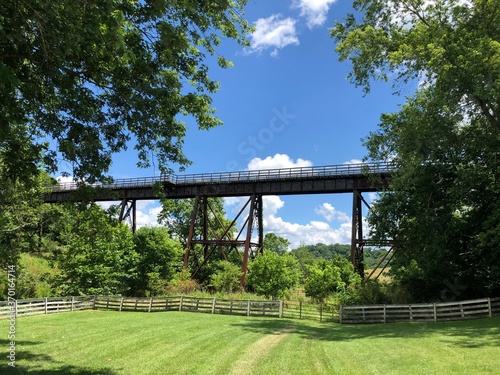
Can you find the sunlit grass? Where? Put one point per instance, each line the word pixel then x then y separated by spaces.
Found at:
pixel 105 342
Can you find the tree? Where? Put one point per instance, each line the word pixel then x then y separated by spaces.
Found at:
pixel 323 280
pixel 273 275
pixel 442 209
pixel 159 260
pixel 227 277
pixel 99 75
pixel 451 44
pixel 276 244
pixel 100 256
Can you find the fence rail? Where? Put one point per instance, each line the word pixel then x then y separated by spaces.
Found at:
pixel 446 311
pixel 192 304
pixel 45 306
pixel 479 308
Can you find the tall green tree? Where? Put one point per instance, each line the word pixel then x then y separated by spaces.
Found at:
pixel 276 244
pixel 442 209
pixel 100 256
pixel 159 260
pixel 323 280
pixel 273 275
pixel 451 44
pixel 99 75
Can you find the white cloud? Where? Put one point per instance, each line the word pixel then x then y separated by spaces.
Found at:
pixel 330 213
pixel 146 211
pixel 273 32
pixel 353 161
pixel 277 161
pixel 315 11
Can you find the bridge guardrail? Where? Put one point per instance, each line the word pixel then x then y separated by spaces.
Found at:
pixel 241 176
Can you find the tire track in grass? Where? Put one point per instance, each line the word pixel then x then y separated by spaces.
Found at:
pixel 258 351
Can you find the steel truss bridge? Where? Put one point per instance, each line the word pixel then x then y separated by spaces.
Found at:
pixel 208 230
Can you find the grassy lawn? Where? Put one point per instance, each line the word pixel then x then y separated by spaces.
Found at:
pixel 102 342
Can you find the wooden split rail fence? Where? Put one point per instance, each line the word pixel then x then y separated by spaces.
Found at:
pixel 207 305
pixel 192 304
pixel 479 308
pixel 431 312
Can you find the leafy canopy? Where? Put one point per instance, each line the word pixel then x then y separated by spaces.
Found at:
pixel 442 209
pixel 94 77
pixel 452 44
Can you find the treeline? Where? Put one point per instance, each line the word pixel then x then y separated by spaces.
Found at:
pixel 329 252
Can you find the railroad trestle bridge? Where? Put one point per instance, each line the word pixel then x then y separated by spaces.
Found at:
pixel 331 179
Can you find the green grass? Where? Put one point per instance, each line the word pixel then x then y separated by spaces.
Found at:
pixel 102 342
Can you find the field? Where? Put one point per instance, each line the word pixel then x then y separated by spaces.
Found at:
pixel 109 343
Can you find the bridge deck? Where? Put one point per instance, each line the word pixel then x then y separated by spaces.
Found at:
pixel 301 180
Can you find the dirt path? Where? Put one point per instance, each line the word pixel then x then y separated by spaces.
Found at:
pixel 257 351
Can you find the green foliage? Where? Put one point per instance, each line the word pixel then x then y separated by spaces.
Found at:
pixel 159 259
pixel 449 43
pixel 100 256
pixel 182 283
pixel 273 275
pixel 442 208
pixel 227 278
pixel 36 277
pixel 322 281
pixel 93 76
pixel 276 244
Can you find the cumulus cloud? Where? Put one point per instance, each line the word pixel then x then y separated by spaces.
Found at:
pixel 274 32
pixel 315 11
pixel 277 161
pixel 329 212
pixel 146 211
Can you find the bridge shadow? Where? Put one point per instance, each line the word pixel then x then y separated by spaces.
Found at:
pixel 29 362
pixel 466 334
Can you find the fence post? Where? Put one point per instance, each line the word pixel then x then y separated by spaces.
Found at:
pixel 435 313
pixel 180 303
pixel 46 300
pixel 121 304
pixel 300 310
pixel 385 314
pixel 93 302
pixel 341 311
pixel 150 304
pixel 248 308
pixel 15 308
pixel 490 313
pixel 320 312
pixel 72 302
pixel 281 308
pixel 213 306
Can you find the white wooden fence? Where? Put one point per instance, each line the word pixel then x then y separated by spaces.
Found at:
pixel 444 311
pixel 192 304
pixel 49 305
pixel 479 308
pixel 181 303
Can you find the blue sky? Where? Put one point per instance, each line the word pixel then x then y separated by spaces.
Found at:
pixel 286 102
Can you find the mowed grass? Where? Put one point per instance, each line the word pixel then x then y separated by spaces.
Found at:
pixel 103 342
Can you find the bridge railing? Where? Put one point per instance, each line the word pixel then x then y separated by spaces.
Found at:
pixel 342 170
